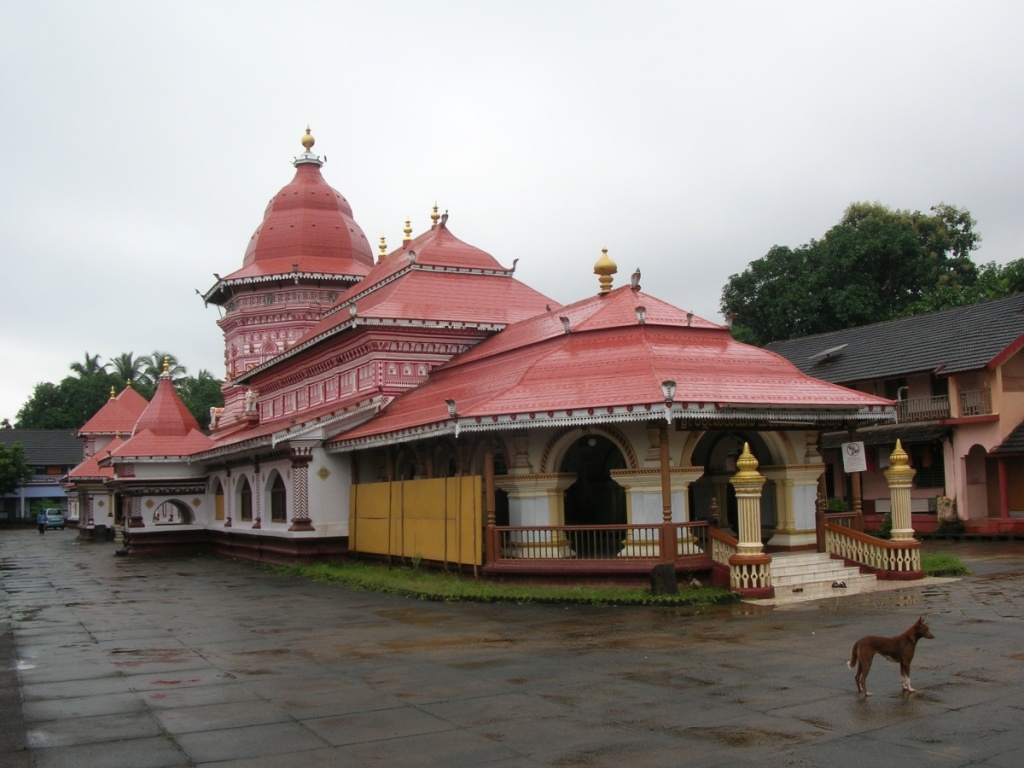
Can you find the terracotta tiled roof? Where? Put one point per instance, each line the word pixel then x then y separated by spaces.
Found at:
pixel 165 429
pixel 608 360
pixel 90 469
pixel 308 229
pixel 118 414
pixel 951 341
pixel 446 282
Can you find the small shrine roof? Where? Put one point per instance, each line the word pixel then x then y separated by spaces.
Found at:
pixel 165 429
pixel 90 469
pixel 118 414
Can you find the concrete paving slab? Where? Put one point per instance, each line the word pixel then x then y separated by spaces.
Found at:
pixel 207 662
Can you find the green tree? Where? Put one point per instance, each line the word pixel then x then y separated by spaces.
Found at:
pixel 13 469
pixel 127 367
pixel 67 405
pixel 153 367
pixel 873 265
pixel 200 393
pixel 89 366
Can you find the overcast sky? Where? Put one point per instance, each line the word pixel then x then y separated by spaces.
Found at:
pixel 142 141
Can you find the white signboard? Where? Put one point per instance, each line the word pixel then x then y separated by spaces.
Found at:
pixel 854 458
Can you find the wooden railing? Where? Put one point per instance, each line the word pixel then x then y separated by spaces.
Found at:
pixel 923 409
pixel 976 402
pixel 723 546
pixel 888 559
pixel 613 543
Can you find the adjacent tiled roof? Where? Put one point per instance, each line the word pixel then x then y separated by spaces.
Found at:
pixel 45 447
pixel 1013 445
pixel 951 341
pixel 117 416
pixel 596 356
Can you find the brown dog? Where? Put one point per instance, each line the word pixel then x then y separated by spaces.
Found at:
pixel 899 649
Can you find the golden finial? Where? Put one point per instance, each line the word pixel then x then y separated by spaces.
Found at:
pixel 434 216
pixel 408 231
pixel 605 268
pixel 167 365
pixel 898 457
pixel 308 141
pixel 383 248
pixel 746 464
pixel 112 396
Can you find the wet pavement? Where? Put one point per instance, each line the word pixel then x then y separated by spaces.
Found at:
pixel 208 662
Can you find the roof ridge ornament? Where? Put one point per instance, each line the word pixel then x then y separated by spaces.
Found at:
pixel 307 156
pixel 604 269
pixel 434 216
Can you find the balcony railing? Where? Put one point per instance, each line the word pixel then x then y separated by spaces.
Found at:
pixel 976 402
pixel 635 544
pixel 923 409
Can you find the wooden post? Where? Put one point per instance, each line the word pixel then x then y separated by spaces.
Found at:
pixel 668 531
pixel 491 538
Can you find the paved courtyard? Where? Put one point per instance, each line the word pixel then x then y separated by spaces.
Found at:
pixel 207 662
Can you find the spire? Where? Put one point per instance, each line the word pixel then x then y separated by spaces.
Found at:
pixel 434 216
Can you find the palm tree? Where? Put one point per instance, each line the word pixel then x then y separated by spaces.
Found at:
pixel 89 366
pixel 127 367
pixel 153 367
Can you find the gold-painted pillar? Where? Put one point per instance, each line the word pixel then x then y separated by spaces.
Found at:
pixel 748 483
pixel 750 569
pixel 899 476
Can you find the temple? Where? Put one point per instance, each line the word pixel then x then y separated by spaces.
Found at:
pixel 422 402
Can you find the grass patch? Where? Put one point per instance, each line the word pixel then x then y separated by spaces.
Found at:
pixel 942 564
pixel 451 587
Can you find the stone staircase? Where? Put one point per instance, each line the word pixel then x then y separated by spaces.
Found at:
pixel 810 575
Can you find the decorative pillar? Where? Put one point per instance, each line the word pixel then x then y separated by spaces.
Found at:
pixel 899 476
pixel 750 570
pixel 536 501
pixel 229 495
pixel 300 489
pixel 135 517
pixel 257 497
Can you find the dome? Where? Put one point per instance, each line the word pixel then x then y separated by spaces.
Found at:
pixel 308 224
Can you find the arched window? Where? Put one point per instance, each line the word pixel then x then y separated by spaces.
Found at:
pixel 278 501
pixel 244 499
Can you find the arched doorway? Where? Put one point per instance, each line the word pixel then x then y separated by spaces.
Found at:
pixel 594 498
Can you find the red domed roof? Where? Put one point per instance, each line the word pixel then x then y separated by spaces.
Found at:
pixel 307 229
